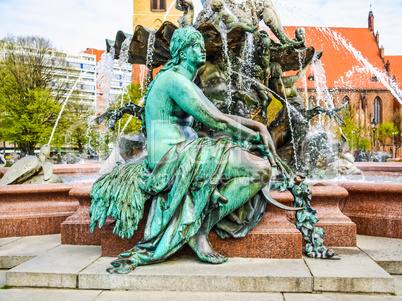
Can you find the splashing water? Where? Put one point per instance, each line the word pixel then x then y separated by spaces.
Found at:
pixel 143 71
pixel 290 124
pixel 337 39
pixel 150 57
pixel 324 98
pixel 302 56
pixel 123 63
pixel 229 70
pixel 249 55
pixel 124 55
pixel 64 104
pixel 169 10
pixel 105 73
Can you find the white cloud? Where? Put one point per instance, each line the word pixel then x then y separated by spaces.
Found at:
pixel 77 24
pixel 72 25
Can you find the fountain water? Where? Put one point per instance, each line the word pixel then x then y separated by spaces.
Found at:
pixel 64 104
pixel 229 70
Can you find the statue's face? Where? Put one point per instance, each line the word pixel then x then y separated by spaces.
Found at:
pixel 301 34
pixel 196 53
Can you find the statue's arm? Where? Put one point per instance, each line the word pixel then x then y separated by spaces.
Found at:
pixel 266 138
pixel 191 100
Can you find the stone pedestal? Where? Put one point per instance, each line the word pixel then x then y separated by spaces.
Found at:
pixel 27 210
pixel 340 230
pixel 75 229
pixel 376 208
pixel 274 237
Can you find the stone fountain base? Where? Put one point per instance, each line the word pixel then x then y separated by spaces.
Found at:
pixel 375 208
pixel 27 210
pixel 274 237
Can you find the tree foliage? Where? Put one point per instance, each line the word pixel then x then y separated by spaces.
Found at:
pixel 386 130
pixel 353 131
pixel 29 102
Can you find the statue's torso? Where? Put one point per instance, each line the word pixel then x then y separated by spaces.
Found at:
pixel 166 123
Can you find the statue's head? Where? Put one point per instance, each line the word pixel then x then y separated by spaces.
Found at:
pixel 45 150
pixel 300 34
pixel 187 44
pixel 216 5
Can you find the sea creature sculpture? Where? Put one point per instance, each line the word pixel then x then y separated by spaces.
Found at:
pixel 26 170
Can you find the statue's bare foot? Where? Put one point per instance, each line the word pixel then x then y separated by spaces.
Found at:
pixel 201 245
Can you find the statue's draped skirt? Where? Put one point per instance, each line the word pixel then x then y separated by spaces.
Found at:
pixel 180 188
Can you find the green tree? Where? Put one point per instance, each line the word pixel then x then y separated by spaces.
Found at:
pixel 386 130
pixel 352 131
pixel 29 102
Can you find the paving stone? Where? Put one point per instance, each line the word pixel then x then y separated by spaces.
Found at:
pixel 339 297
pixel 185 296
pixel 190 274
pixel 398 284
pixel 47 295
pixel 355 272
pixel 26 248
pixel 2 278
pixel 7 240
pixel 56 268
pixel 386 252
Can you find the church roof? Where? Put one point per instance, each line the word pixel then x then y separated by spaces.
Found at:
pixel 395 68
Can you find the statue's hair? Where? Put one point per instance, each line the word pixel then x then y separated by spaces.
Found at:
pixel 181 39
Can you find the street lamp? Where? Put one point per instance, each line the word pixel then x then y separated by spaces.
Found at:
pixel 393 144
pixel 374 127
pixel 353 133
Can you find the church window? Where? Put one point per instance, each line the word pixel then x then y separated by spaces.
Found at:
pixel 377 110
pixel 158 5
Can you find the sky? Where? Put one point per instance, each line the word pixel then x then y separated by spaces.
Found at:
pixel 74 25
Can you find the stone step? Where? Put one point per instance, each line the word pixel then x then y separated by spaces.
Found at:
pixel 96 295
pixel 14 251
pixel 67 266
pixel 190 274
pixel 56 268
pixel 339 297
pixel 355 272
pixel 47 295
pixel 386 252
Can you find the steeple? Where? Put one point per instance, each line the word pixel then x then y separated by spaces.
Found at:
pixel 371 20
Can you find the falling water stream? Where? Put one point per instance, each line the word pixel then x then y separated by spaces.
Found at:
pixel 249 56
pixel 148 66
pixel 290 123
pixel 229 70
pixel 169 10
pixel 64 104
pixel 337 38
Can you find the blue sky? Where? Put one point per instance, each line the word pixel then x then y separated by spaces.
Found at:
pixel 75 25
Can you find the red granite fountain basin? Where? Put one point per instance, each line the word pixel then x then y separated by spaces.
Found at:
pixel 375 208
pixel 27 210
pixel 274 237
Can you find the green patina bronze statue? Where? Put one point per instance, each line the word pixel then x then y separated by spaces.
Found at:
pixel 216 182
pixel 194 183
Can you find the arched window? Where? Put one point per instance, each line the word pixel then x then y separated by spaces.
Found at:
pixel 377 110
pixel 346 100
pixel 312 103
pixel 158 5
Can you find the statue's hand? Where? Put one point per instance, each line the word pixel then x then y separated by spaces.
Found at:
pixel 268 145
